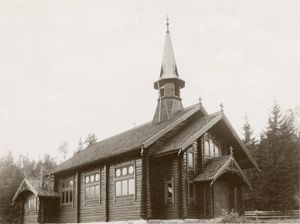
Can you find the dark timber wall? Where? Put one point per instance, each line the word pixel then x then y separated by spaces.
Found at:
pixel 194 205
pixel 92 211
pixel 108 207
pixel 162 169
pixel 127 207
pixel 68 213
pixel 49 210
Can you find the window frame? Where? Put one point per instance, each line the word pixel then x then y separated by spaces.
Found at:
pixel 213 144
pixel 64 190
pixel 191 152
pixel 92 185
pixel 119 180
pixel 177 90
pixel 169 200
pixel 162 91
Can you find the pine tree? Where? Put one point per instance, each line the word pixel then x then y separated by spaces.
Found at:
pixel 10 178
pixel 91 139
pixel 79 147
pixel 248 138
pixel 277 155
pixel 251 144
pixel 63 149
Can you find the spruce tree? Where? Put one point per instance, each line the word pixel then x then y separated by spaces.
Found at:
pixel 277 155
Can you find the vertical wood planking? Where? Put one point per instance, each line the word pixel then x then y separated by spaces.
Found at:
pixel 78 196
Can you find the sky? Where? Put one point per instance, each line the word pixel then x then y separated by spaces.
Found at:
pixel 70 68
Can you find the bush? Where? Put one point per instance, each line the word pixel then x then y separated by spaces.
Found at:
pixel 232 217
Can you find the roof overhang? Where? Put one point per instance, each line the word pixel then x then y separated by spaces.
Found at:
pixel 25 185
pixel 230 166
pixel 208 126
pixel 167 129
pixel 163 80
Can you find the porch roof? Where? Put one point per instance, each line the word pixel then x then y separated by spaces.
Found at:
pixel 218 166
pixel 34 185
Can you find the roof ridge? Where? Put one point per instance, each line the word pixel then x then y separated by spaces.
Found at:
pixel 125 141
pixel 215 113
pixel 141 125
pixel 120 133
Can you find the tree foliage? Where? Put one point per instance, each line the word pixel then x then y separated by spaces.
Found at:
pixel 276 187
pixel 10 178
pixel 11 175
pixel 90 140
pixel 63 149
pixel 80 147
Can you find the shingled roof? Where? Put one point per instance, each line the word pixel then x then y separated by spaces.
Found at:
pixel 34 185
pixel 124 142
pixel 212 168
pixel 216 167
pixel 178 141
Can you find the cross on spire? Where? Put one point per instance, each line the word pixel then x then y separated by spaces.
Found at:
pixel 167 19
pixel 200 100
pixel 222 107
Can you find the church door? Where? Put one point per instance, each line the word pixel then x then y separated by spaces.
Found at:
pixel 220 198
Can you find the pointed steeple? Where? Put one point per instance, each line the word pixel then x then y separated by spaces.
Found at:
pixel 168 67
pixel 168 84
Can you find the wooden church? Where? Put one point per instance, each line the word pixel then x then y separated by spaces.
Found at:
pixel 184 164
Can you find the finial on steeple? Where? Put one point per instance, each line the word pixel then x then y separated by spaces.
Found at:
pixel 167 24
pixel 222 107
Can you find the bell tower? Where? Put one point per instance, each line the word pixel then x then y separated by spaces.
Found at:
pixel 168 84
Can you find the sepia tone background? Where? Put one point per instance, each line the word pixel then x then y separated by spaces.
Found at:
pixel 73 68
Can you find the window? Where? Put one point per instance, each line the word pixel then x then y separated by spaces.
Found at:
pixel 92 186
pixel 124 180
pixel 162 91
pixel 211 146
pixel 31 203
pixel 66 192
pixel 190 161
pixel 177 92
pixel 169 192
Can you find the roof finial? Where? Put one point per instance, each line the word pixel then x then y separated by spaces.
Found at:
pixel 167 24
pixel 222 107
pixel 200 100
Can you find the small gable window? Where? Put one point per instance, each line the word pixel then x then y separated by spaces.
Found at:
pixel 92 186
pixel 211 146
pixel 66 191
pixel 124 180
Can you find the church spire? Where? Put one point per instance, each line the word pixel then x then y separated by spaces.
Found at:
pixel 168 84
pixel 168 67
pixel 167 24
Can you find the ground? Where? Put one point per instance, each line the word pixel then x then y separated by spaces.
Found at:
pixel 196 221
